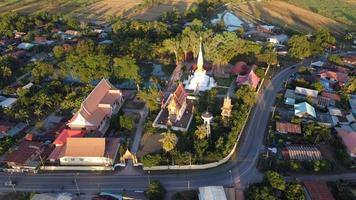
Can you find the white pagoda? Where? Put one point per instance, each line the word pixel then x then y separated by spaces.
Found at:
pixel 199 81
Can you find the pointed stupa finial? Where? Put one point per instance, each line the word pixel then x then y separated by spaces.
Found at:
pixel 200 62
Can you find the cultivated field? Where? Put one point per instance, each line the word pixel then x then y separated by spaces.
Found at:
pixel 341 10
pixel 94 9
pixel 285 14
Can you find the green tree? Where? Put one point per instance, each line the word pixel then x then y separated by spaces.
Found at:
pixel 321 39
pixel 262 193
pixel 58 52
pixel 149 160
pixel 127 122
pixel 155 191
pixel 201 132
pixel 151 98
pixel 172 46
pixel 276 180
pixel 299 47
pixel 126 68
pixel 294 192
pixel 246 95
pixel 41 71
pixel 318 86
pixel 334 58
pixel 169 141
pixel 44 101
pixel 200 147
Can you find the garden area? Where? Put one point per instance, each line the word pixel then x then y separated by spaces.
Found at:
pixel 195 146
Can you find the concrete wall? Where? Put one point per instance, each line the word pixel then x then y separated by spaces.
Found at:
pixel 76 168
pixel 88 161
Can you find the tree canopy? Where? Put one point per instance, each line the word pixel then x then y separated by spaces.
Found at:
pixel 169 141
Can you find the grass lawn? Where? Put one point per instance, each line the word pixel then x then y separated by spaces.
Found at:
pixel 224 81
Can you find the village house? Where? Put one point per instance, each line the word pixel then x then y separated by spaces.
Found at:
pixel 7 102
pixel 96 110
pixel 290 128
pixel 26 157
pixel 301 153
pixel 245 75
pixel 304 109
pixel 317 190
pixel 349 140
pixel 10 129
pixel 79 151
pixel 65 134
pixel 278 39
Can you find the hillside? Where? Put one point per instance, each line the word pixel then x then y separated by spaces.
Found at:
pixel 341 10
pixel 289 15
pixel 94 9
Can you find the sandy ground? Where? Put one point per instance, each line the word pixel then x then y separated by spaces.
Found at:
pixel 149 144
pixel 286 14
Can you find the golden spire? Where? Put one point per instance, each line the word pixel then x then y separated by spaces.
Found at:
pixel 200 62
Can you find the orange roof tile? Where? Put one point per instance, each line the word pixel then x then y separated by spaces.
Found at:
pixel 284 127
pixel 85 147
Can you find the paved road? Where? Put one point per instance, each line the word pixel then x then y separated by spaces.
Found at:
pixel 239 171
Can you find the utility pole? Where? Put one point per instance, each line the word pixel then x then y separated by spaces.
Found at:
pixel 12 184
pixel 76 183
pixel 230 177
pixel 148 177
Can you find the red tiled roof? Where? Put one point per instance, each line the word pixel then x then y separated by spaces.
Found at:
pixel 250 79
pixel 318 190
pixel 103 93
pixel 240 67
pixel 348 138
pixel 339 76
pixel 179 96
pixel 332 96
pixel 62 137
pixel 284 127
pixel 22 153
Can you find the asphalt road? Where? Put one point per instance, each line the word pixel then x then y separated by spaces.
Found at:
pixel 241 170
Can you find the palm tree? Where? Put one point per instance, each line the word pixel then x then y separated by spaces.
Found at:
pixel 44 101
pixel 168 140
pixel 38 112
pixel 201 132
pixel 173 46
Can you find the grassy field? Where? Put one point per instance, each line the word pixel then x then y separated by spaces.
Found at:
pixel 289 15
pixel 94 9
pixel 341 10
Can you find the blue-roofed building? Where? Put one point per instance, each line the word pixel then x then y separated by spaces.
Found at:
pixel 304 109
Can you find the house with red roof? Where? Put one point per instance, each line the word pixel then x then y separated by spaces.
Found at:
pixel 66 133
pixel 340 77
pixel 250 79
pixel 332 96
pixel 96 110
pixel 245 74
pixel 349 140
pixel 317 190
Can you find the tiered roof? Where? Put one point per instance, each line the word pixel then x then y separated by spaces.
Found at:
pixel 250 79
pixel 97 105
pixel 179 97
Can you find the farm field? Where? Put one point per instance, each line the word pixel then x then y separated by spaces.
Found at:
pixel 289 15
pixel 341 10
pixel 94 9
